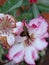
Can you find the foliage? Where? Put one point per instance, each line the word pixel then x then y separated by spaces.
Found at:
pixel 25 7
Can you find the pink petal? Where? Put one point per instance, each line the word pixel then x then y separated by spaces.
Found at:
pixel 19 28
pixel 30 55
pixel 35 54
pixel 40 24
pixel 19 57
pixel 16 53
pixel 25 24
pixel 40 44
pixel 8 57
pixel 20 39
pixel 45 35
pixel 19 24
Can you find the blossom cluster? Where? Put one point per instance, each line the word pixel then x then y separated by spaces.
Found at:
pixel 23 40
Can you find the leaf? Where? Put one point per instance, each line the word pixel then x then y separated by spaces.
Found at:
pixel 42 53
pixel 10 4
pixel 23 63
pixel 5 51
pixel 45 2
pixel 26 16
pixel 17 5
pixel 35 10
pixel 43 8
pixel 25 3
pixel 1 52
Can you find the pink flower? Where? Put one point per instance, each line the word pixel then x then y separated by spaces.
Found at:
pixel 27 48
pixel 7 23
pixel 9 27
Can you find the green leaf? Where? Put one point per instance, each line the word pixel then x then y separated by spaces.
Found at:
pixel 35 10
pixel 23 63
pixel 17 5
pixel 25 3
pixel 1 52
pixel 42 53
pixel 5 51
pixel 45 2
pixel 10 5
pixel 26 16
pixel 43 8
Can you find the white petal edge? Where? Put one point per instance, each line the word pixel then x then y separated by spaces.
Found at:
pixel 28 56
pixel 40 44
pixel 11 39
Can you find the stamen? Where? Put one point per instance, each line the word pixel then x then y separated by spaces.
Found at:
pixel 32 37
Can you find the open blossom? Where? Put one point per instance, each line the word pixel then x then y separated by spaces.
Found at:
pixel 27 47
pixel 8 25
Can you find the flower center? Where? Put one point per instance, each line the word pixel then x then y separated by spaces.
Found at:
pixel 30 38
pixel 6 24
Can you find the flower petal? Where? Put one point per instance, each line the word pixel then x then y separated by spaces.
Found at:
pixel 30 55
pixel 45 35
pixel 20 39
pixel 40 24
pixel 19 57
pixel 17 52
pixel 10 18
pixel 1 15
pixel 40 44
pixel 19 28
pixel 10 39
pixel 35 54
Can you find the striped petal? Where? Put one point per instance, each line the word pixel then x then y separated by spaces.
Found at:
pixel 45 35
pixel 30 55
pixel 19 57
pixel 16 53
